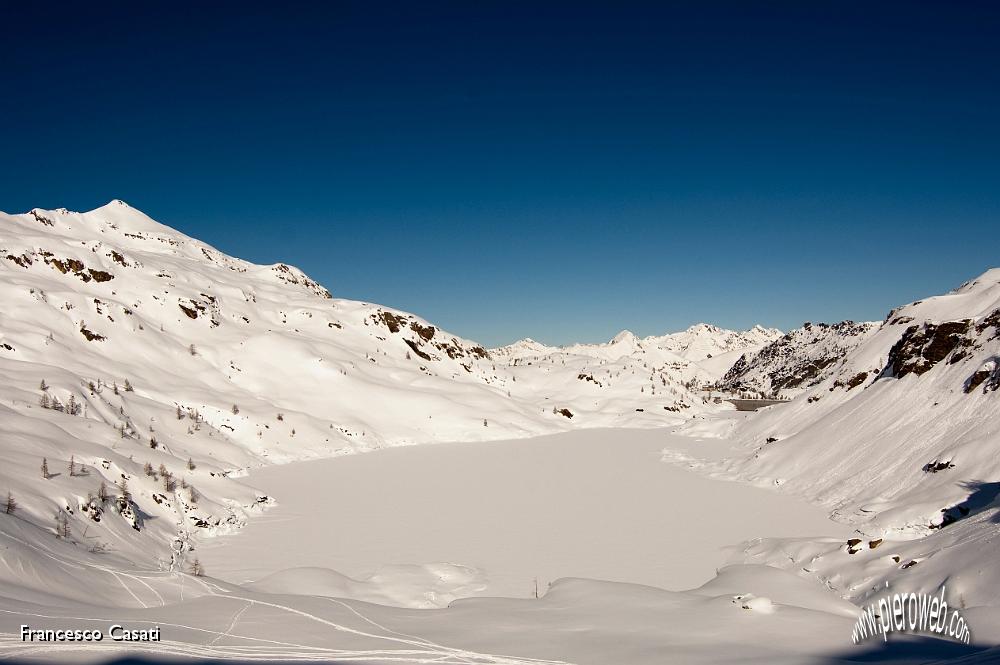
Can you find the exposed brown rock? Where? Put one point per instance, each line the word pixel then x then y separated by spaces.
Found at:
pixel 923 346
pixel 23 261
pixel 390 320
pixel 100 275
pixel 90 335
pixel 853 382
pixel 992 320
pixel 416 349
pixel 975 380
pixel 425 332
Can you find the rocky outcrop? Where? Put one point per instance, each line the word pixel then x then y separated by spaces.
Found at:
pixel 925 345
pixel 800 359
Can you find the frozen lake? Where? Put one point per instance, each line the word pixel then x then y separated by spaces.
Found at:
pixel 596 503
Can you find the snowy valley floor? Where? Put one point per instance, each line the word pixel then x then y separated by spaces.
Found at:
pixel 416 527
pixel 594 503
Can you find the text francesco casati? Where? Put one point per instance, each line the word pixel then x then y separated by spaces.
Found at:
pixel 114 633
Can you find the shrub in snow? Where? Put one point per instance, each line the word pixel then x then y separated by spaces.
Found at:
pixel 62 525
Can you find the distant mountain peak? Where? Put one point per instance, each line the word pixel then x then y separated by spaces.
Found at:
pixel 624 336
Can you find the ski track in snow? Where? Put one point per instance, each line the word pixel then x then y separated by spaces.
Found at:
pixel 420 650
pixel 117 574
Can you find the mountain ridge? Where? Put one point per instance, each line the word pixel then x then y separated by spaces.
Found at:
pixel 167 370
pixel 152 372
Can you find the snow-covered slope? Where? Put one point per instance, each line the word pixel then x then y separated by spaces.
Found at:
pixel 796 361
pixel 152 359
pixel 144 373
pixel 902 438
pixel 111 294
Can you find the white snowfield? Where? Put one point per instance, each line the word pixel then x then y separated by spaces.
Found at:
pixel 902 440
pixel 197 411
pixel 507 515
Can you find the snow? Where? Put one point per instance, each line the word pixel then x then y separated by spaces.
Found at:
pixel 602 470
pixel 800 359
pixel 698 348
pixel 867 452
pixel 593 504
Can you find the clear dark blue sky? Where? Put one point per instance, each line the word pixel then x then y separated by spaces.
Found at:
pixel 506 169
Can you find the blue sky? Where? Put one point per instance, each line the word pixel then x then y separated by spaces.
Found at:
pixel 509 170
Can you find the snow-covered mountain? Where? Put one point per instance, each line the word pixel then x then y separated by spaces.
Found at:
pixel 145 373
pixel 164 369
pixel 703 350
pixel 702 341
pixel 795 361
pixel 900 437
pixel 522 348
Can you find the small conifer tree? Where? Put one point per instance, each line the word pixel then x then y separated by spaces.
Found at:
pixel 62 526
pixel 126 494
